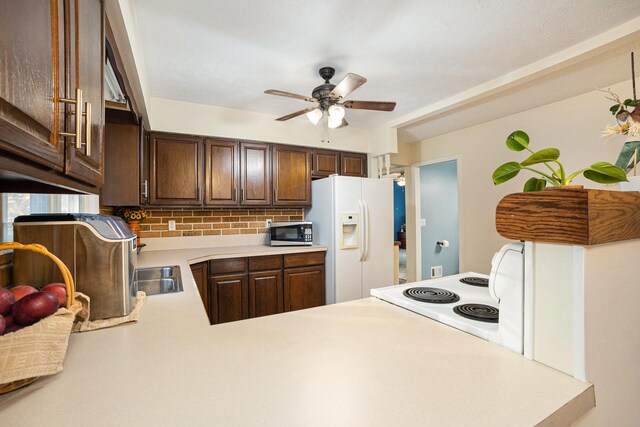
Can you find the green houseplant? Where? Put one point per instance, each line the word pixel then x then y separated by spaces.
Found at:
pixel 627 114
pixel 553 172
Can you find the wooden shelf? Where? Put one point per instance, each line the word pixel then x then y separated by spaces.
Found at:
pixel 570 215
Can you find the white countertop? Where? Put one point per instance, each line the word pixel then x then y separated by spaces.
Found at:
pixel 364 362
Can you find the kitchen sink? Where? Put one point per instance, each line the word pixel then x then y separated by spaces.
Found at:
pixel 158 280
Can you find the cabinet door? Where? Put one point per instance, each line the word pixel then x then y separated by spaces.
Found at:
pixel 175 170
pixel 31 60
pixel 325 163
pixel 353 164
pixel 228 298
pixel 121 160
pixel 303 288
pixel 201 276
pixel 291 176
pixel 85 70
pixel 265 293
pixel 255 174
pixel 221 173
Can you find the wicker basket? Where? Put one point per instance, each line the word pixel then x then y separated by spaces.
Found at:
pixel 38 349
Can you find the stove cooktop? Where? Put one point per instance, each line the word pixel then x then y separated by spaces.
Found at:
pixel 444 312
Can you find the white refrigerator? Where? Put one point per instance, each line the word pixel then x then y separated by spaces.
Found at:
pixel 353 218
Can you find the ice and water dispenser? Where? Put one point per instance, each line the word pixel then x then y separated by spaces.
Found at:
pixel 350 230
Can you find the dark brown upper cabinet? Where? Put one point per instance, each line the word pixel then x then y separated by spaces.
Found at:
pixel 221 172
pixel 49 50
pixel 175 173
pixel 291 176
pixel 86 48
pixel 122 156
pixel 32 80
pixel 325 163
pixel 255 174
pixel 353 164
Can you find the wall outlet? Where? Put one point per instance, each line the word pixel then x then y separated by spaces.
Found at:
pixel 436 271
pixel 423 222
pixel 267 223
pixel 172 225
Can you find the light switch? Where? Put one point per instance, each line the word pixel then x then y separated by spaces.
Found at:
pixel 172 225
pixel 423 222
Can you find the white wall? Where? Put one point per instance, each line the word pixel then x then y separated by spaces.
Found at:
pixel 573 125
pixel 185 117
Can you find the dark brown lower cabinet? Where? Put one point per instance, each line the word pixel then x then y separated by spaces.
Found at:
pixel 265 293
pixel 303 288
pixel 242 288
pixel 229 298
pixel 200 273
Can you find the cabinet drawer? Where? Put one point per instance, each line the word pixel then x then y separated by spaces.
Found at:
pixel 304 259
pixel 227 265
pixel 262 263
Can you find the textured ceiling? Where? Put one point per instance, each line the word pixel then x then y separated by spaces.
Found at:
pixel 414 52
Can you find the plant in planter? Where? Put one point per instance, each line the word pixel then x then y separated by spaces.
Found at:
pixel 627 115
pixel 553 172
pixel 133 216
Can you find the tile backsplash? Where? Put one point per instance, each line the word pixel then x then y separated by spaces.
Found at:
pixel 213 222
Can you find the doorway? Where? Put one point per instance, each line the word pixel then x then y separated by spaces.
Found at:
pixel 400 226
pixel 437 234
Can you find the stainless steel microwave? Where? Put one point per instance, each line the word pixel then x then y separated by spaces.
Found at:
pixel 293 233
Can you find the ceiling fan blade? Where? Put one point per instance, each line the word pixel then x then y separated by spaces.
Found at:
pixel 296 114
pixel 348 84
pixel 370 105
pixel 289 95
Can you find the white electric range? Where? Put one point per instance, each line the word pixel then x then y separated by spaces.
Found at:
pixel 489 307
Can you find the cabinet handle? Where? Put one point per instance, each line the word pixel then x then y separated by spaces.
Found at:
pixel 235 192
pixel 78 127
pixel 87 114
pixel 145 191
pixel 242 194
pixel 78 102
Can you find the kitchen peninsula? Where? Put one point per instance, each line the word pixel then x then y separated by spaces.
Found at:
pixel 364 362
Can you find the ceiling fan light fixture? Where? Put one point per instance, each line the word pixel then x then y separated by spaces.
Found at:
pixel 315 115
pixel 334 122
pixel 336 112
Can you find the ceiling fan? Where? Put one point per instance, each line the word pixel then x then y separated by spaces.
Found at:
pixel 330 99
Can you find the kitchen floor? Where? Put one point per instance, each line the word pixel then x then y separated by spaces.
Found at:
pixel 402 270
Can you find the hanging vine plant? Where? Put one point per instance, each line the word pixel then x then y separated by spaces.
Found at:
pixel 627 114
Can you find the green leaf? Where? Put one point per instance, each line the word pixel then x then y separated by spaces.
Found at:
pixel 518 141
pixel 534 184
pixel 626 153
pixel 544 155
pixel 614 109
pixel 605 173
pixel 629 102
pixel 505 172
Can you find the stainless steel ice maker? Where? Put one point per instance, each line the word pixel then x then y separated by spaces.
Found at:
pixel 99 250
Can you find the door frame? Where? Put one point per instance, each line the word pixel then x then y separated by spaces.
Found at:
pixel 415 178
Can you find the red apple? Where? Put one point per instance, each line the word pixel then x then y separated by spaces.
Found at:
pixel 22 290
pixel 8 320
pixel 59 290
pixel 3 325
pixel 6 301
pixel 34 307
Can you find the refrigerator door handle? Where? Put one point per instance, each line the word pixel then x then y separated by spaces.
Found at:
pixel 366 230
pixel 361 231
